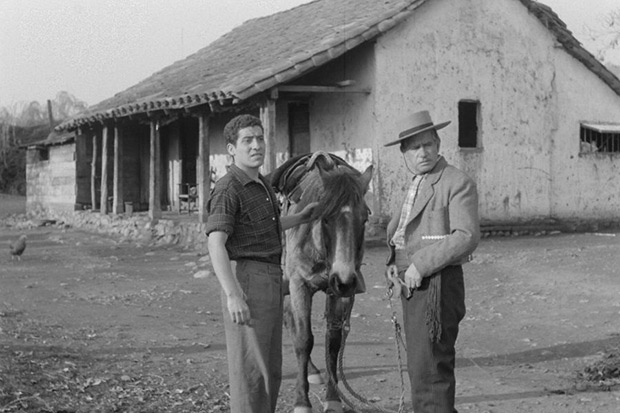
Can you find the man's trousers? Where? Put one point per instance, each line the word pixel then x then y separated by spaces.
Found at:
pixel 431 365
pixel 255 350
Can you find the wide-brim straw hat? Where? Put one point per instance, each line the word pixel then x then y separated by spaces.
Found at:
pixel 414 124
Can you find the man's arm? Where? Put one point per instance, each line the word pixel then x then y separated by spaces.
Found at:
pixel 237 306
pixel 463 234
pixel 290 221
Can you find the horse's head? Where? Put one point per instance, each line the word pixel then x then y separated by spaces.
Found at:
pixel 338 229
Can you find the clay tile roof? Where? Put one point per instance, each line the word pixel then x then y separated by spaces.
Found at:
pixel 264 52
pixel 54 138
pixel 257 55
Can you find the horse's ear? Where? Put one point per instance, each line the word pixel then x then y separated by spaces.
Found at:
pixel 366 178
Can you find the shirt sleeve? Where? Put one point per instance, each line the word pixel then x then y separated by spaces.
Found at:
pixel 222 207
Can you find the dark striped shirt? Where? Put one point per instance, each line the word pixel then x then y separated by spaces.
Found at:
pixel 248 213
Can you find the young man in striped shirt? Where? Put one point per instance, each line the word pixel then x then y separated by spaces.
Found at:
pixel 245 244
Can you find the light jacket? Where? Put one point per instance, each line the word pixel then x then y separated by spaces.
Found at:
pixel 443 227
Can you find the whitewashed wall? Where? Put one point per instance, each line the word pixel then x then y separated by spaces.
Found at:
pixel 51 183
pixel 584 185
pixel 531 94
pixel 344 123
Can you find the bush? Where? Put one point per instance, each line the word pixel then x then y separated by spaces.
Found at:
pixel 13 155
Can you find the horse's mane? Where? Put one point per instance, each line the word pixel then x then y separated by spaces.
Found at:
pixel 339 188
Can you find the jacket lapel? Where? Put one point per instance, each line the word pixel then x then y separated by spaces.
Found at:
pixel 427 189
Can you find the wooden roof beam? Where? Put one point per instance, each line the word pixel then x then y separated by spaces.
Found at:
pixel 321 89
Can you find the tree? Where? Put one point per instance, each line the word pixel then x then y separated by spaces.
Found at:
pixel 66 105
pixel 33 114
pixel 607 36
pixel 22 124
pixel 8 137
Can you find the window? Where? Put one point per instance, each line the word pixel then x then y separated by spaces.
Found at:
pixel 599 137
pixel 468 123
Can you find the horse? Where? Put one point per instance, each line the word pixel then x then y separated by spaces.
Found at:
pixel 325 255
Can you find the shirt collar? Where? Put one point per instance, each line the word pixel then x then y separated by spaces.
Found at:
pixel 243 177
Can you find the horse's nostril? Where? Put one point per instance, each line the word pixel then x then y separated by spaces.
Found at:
pixel 342 289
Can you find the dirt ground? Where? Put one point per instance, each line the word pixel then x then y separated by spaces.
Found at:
pixel 91 324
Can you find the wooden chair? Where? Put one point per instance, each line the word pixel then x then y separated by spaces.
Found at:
pixel 188 195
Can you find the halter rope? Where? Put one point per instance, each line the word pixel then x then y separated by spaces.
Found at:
pixel 345 325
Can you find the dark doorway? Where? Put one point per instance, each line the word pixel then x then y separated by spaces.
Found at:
pixel 299 128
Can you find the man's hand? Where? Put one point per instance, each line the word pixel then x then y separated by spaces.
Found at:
pixel 306 213
pixel 413 279
pixel 238 310
pixel 291 221
pixel 393 282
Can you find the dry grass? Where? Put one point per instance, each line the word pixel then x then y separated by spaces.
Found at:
pixel 50 369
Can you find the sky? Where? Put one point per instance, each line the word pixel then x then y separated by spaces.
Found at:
pixel 93 49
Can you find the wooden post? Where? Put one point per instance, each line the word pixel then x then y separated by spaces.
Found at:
pixel 268 118
pixel 155 173
pixel 204 167
pixel 93 174
pixel 104 170
pixel 119 200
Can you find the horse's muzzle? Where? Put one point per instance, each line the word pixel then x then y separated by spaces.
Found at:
pixel 339 288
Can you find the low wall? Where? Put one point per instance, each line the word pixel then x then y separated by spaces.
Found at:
pixel 136 227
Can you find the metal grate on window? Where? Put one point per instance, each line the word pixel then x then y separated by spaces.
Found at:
pixel 599 138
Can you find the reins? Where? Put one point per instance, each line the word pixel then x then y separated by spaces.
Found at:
pixel 345 326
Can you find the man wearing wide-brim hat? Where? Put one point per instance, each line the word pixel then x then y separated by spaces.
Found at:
pixel 430 236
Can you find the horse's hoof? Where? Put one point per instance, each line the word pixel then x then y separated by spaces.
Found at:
pixel 332 407
pixel 302 409
pixel 315 379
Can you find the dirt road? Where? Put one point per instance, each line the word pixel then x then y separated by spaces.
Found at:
pixel 88 324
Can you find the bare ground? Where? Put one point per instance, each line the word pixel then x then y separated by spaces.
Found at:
pixel 91 324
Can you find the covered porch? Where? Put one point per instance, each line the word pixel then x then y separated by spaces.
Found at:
pixel 165 162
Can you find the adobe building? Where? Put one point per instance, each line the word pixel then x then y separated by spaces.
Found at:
pixel 535 117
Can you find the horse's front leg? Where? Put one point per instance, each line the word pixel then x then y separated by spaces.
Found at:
pixel 303 341
pixel 314 374
pixel 337 311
